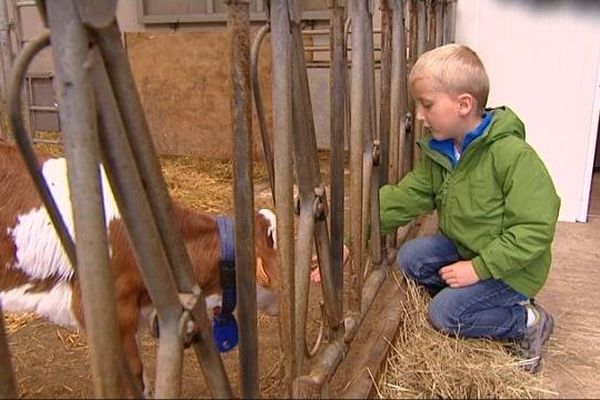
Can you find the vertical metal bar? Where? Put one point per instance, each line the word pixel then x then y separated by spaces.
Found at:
pixel 143 233
pixel 260 7
pixel 439 22
pixel 136 127
pixel 282 124
pixel 6 59
pixel 17 25
pixel 29 101
pixel 238 23
pixel 421 27
pixel 210 6
pixel 399 93
pixel 360 124
pixel 449 21
pixel 7 379
pixel 6 51
pixel 385 92
pixel 431 23
pixel 337 85
pixel 421 48
pixel 78 118
pixel 370 222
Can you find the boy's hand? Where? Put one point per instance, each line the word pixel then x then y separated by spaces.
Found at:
pixel 459 274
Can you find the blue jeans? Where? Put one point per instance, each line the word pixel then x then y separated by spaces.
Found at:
pixel 489 308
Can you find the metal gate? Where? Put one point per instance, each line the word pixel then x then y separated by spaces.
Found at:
pixel 103 122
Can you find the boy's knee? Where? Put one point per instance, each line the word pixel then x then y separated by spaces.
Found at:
pixel 408 258
pixel 442 316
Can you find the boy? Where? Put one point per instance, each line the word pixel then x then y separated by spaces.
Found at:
pixel 496 204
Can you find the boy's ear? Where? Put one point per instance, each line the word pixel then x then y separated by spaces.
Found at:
pixel 466 103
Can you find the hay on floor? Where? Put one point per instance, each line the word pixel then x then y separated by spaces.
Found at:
pixel 424 363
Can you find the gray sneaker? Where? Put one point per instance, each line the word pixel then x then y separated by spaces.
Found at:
pixel 530 346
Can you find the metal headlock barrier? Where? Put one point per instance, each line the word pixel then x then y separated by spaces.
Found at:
pixel 378 153
pixel 103 123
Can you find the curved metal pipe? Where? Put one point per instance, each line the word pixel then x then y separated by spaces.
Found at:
pixel 260 110
pixel 319 341
pixel 21 63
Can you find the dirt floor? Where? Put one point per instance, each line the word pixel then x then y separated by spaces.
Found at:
pixel 51 362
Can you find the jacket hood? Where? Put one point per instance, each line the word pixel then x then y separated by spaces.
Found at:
pixel 504 123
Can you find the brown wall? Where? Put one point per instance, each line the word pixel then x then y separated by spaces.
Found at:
pixel 183 81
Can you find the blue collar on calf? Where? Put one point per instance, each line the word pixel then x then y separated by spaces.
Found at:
pixel 225 331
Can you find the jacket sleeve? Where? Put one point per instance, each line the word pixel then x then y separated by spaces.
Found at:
pixel 530 214
pixel 412 196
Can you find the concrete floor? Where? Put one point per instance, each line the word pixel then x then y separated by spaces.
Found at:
pixel 572 295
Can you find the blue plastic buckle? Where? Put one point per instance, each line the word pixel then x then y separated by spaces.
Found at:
pixel 225 332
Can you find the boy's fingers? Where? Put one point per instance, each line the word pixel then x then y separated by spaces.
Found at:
pixel 446 272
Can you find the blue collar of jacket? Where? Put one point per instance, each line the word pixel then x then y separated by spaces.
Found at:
pixel 446 147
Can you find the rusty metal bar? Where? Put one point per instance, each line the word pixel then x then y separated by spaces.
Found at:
pixel 449 21
pixel 16 24
pixel 6 52
pixel 137 215
pixel 6 61
pixel 421 33
pixel 400 98
pixel 238 23
pixel 372 151
pixel 260 109
pixel 370 215
pixel 7 378
pixel 337 91
pixel 136 127
pixel 78 120
pixel 360 113
pixel 431 23
pixel 421 27
pixel 281 53
pixel 385 91
pixel 439 22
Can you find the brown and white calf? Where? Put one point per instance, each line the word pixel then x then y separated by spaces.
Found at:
pixel 36 276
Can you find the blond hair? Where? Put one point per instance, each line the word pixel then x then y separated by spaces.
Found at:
pixel 456 68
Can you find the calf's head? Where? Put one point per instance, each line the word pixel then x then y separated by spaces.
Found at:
pixel 267 265
pixel 202 240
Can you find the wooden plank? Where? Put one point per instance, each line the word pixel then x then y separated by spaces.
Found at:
pixel 369 350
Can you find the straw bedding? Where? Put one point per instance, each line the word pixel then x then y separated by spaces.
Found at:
pixel 424 363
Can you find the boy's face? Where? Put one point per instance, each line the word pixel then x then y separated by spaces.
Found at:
pixel 439 111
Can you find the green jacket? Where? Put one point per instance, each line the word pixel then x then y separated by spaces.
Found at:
pixel 498 205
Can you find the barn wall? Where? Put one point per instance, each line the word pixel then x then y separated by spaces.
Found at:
pixel 543 60
pixel 183 81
